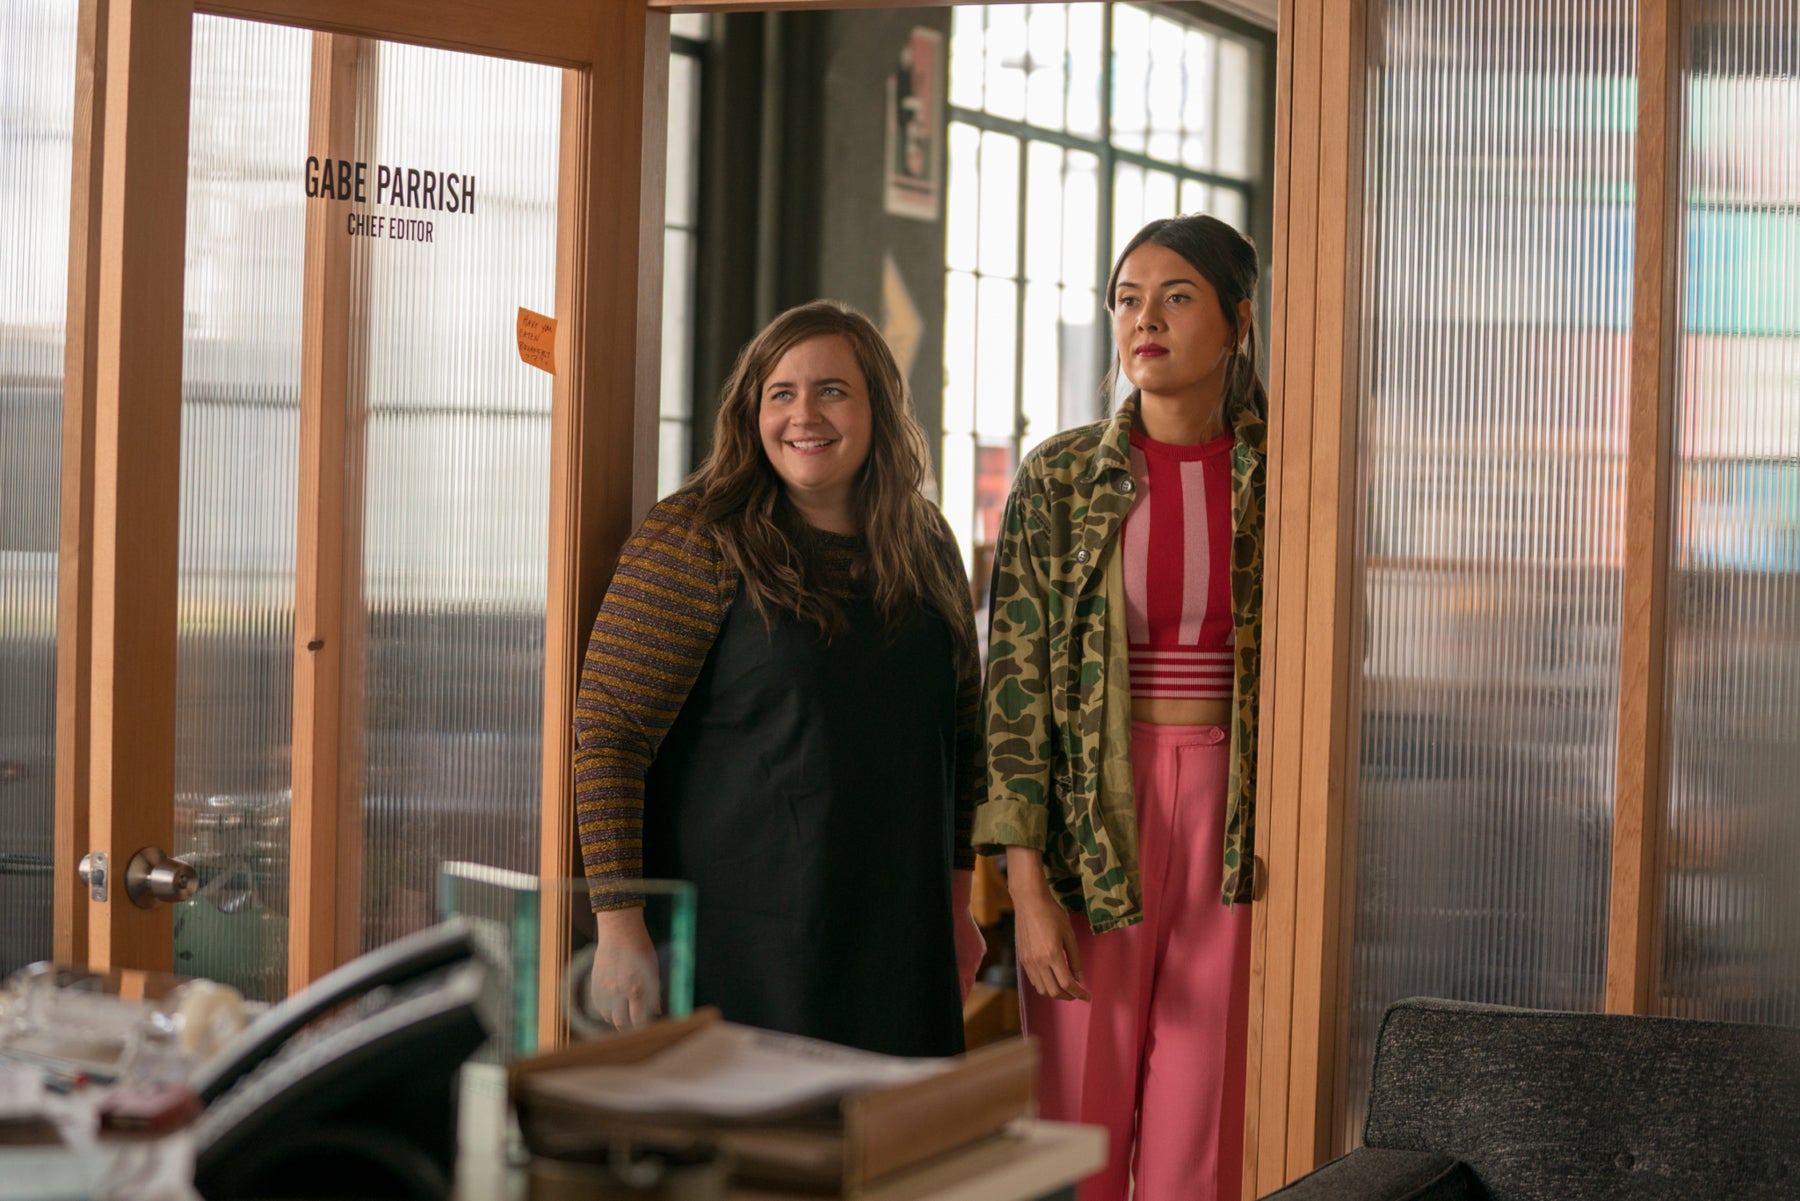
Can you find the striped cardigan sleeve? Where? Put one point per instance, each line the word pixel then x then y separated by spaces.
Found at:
pixel 662 613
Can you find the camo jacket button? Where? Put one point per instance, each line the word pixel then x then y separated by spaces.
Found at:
pixel 1082 556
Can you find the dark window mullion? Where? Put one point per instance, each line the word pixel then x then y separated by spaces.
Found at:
pixel 1103 242
pixel 1018 435
pixel 1069 141
pixel 1210 178
pixel 1022 129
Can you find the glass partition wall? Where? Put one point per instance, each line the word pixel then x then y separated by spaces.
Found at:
pixel 1497 381
pixel 1731 905
pixel 37 102
pixel 1498 295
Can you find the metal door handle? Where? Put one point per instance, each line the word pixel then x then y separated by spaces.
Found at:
pixel 153 877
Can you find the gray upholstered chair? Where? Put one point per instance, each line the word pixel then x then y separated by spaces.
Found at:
pixel 1485 1101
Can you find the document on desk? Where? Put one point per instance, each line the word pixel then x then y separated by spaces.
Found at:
pixel 727 1072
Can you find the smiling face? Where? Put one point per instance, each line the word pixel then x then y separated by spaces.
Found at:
pixel 1174 341
pixel 816 424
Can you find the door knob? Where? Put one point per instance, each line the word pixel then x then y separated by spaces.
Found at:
pixel 153 877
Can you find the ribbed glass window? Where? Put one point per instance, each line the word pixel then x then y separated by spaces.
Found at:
pixel 449 489
pixel 37 114
pixel 1497 301
pixel 1731 919
pixel 240 438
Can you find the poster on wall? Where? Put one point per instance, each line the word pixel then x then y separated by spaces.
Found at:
pixel 913 161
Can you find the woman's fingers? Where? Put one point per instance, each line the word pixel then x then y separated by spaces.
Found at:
pixel 624 985
pixel 624 989
pixel 1069 965
pixel 1047 951
pixel 1059 984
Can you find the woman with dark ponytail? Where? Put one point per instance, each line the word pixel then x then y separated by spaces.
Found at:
pixel 1120 711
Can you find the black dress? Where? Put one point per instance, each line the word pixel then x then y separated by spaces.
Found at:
pixel 807 790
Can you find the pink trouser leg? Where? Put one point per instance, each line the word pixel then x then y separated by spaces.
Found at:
pixel 1090 1051
pixel 1191 1099
pixel 1158 1056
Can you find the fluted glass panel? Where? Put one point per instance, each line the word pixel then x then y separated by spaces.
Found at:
pixel 240 434
pixel 1497 299
pixel 449 484
pixel 37 98
pixel 1731 918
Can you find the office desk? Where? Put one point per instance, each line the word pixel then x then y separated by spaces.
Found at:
pixel 1029 1160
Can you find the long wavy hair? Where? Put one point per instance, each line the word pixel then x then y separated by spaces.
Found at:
pixel 1226 259
pixel 743 501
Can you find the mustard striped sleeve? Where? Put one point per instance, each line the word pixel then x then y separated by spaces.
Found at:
pixel 662 613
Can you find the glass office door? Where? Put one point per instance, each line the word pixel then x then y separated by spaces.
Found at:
pixel 417 189
pixel 340 535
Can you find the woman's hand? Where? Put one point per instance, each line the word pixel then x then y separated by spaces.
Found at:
pixel 971 947
pixel 1042 935
pixel 624 987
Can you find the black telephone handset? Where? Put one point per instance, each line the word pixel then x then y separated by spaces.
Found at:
pixel 398 962
pixel 364 1104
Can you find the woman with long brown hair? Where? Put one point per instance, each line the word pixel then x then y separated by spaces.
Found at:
pixel 779 703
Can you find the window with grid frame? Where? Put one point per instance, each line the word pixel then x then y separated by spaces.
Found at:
pixel 681 219
pixel 1070 126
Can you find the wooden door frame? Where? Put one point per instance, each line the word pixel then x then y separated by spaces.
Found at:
pixel 116 612
pixel 1640 797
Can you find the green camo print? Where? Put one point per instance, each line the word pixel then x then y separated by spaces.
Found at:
pixel 1058 708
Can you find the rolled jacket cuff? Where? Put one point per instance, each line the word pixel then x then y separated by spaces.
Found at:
pixel 1007 822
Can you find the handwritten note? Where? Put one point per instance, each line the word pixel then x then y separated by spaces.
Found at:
pixel 537 340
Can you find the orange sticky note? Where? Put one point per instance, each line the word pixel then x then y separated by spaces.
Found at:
pixel 537 340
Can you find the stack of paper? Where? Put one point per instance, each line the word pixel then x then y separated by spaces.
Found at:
pixel 792 1111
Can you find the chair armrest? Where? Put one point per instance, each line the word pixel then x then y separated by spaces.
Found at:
pixel 1378 1174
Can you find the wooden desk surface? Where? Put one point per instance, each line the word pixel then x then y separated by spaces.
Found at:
pixel 1030 1159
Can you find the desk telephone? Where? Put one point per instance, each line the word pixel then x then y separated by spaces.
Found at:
pixel 364 1102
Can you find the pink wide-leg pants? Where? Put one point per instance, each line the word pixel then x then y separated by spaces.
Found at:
pixel 1157 1057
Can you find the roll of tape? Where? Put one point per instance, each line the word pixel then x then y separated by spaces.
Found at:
pixel 210 1016
pixel 578 1007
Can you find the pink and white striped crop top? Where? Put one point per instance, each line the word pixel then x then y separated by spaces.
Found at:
pixel 1177 548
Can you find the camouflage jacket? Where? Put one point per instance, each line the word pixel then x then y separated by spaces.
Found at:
pixel 1058 694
